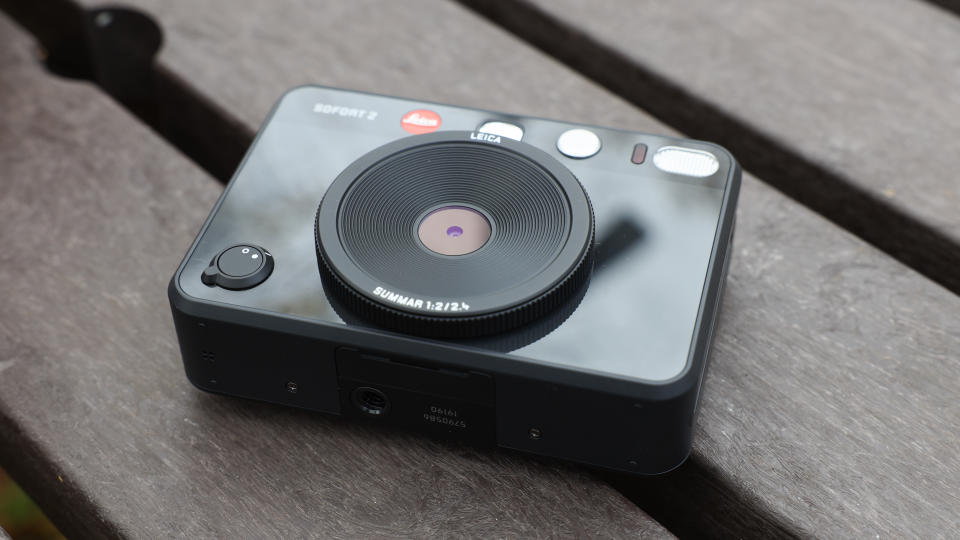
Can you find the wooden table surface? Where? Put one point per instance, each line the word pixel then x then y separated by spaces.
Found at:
pixel 829 409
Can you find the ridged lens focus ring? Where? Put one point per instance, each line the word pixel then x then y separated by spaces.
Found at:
pixel 370 229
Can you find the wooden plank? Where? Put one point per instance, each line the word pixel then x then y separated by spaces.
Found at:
pixel 831 401
pixel 847 107
pixel 97 419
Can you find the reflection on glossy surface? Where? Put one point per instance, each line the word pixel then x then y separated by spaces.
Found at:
pixel 655 231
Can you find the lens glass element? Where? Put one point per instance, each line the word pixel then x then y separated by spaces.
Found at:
pixel 454 230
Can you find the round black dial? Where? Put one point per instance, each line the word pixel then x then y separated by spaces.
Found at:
pixel 454 234
pixel 239 267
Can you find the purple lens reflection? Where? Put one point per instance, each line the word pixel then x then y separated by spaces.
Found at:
pixel 454 230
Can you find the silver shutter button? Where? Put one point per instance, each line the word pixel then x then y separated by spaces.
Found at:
pixel 578 143
pixel 686 161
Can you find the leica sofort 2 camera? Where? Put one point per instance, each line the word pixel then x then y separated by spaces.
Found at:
pixel 501 280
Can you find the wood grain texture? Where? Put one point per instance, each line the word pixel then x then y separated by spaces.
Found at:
pixel 845 106
pixel 97 420
pixel 866 87
pixel 831 398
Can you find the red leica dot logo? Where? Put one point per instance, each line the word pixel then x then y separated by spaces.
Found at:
pixel 420 121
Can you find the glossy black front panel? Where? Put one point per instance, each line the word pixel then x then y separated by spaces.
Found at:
pixel 655 230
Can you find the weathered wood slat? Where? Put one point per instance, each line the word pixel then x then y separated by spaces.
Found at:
pixel 97 420
pixel 831 400
pixel 849 107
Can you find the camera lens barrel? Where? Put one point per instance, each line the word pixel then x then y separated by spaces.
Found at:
pixel 454 234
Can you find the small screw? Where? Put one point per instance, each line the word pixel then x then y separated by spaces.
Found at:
pixel 535 433
pixel 292 387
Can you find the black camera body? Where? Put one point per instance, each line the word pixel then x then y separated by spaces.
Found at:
pixel 497 279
